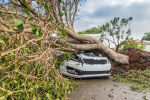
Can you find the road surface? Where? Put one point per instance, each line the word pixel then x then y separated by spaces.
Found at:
pixel 105 89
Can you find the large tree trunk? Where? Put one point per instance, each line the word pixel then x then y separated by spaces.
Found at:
pixel 42 21
pixel 90 43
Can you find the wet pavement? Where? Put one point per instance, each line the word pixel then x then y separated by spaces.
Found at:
pixel 105 89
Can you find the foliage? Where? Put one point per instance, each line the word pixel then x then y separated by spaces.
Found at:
pixel 139 78
pixel 19 25
pixel 25 74
pixel 93 30
pixel 145 98
pixel 28 69
pixel 116 31
pixel 146 36
pixel 131 43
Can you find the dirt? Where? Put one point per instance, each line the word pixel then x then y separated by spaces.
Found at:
pixel 138 59
pixel 105 89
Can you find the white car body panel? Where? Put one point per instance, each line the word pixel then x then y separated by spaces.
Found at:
pixel 86 70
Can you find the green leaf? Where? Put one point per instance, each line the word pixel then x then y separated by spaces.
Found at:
pixel 48 96
pixel 51 19
pixel 19 25
pixel 11 53
pixel 61 13
pixel 60 1
pixel 15 81
pixel 8 92
pixel 2 98
pixel 36 86
pixel 38 2
pixel 34 98
pixel 30 18
pixel 20 28
pixel 46 6
pixel 64 33
pixel 14 35
pixel 24 1
pixel 18 22
pixel 62 26
pixel 66 13
pixel 26 11
pixel 3 48
pixel 36 31
pixel 2 41
pixel 10 28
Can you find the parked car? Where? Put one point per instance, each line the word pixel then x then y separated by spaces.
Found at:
pixel 86 65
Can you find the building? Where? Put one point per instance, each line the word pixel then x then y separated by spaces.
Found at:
pixel 146 44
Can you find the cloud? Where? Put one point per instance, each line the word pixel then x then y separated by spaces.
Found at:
pixel 136 10
pixel 96 12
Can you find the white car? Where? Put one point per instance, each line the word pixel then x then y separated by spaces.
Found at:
pixel 86 66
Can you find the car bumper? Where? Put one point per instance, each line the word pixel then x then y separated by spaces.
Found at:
pixel 76 73
pixel 85 76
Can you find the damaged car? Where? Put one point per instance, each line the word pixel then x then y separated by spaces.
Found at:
pixel 86 65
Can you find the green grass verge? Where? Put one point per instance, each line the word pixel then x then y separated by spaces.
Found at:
pixel 139 79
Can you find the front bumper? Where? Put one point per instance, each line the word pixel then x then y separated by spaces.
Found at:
pixel 76 73
pixel 86 76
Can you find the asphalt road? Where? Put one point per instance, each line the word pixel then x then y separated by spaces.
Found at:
pixel 105 89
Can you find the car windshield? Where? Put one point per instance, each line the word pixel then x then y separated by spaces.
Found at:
pixel 95 61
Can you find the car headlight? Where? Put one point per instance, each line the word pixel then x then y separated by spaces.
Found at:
pixel 71 70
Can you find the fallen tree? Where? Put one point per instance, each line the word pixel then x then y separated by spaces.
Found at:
pixel 52 15
pixel 28 69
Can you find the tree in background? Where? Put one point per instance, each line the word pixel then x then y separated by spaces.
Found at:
pixel 93 30
pixel 146 36
pixel 116 31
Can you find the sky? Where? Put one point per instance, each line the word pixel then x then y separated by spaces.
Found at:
pixel 95 13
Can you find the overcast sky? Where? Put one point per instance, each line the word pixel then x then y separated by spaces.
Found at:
pixel 95 13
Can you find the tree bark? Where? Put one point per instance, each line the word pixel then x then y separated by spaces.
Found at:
pixel 90 43
pixel 83 42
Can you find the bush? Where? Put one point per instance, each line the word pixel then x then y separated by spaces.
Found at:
pixel 28 69
pixel 131 43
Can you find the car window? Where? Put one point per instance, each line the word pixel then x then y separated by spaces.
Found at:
pixel 95 61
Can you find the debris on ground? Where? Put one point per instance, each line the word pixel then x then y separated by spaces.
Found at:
pixel 138 59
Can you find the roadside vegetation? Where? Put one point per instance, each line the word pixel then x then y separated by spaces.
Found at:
pixel 137 73
pixel 28 68
pixel 140 79
pixel 130 43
